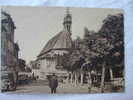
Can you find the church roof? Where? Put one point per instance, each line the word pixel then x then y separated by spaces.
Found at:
pixel 60 41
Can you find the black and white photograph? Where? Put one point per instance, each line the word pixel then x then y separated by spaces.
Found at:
pixel 62 50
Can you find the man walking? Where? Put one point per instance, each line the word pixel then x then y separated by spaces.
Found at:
pixel 53 83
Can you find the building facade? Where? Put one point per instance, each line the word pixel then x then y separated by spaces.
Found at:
pixel 35 68
pixel 9 49
pixel 49 59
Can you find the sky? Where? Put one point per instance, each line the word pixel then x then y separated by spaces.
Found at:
pixel 36 25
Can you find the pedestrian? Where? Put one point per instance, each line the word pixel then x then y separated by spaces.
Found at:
pixel 53 83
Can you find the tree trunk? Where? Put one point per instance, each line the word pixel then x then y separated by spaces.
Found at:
pixel 81 78
pixel 75 79
pixel 89 82
pixel 71 80
pixel 102 77
pixel 67 80
pixel 111 73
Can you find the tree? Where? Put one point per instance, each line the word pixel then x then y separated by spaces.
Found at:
pixel 22 64
pixel 105 48
pixel 113 30
pixel 28 69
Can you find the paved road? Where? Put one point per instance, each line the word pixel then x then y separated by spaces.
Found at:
pixel 42 87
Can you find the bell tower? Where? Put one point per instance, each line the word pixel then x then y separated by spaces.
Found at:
pixel 67 21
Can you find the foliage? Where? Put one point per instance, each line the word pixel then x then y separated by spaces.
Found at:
pixel 106 45
pixel 113 31
pixel 28 69
pixel 22 64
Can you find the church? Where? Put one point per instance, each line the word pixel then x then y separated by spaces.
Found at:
pixel 49 59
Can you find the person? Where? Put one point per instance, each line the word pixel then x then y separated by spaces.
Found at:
pixel 53 83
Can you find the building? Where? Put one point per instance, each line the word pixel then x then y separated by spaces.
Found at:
pixel 9 49
pixel 49 59
pixel 35 68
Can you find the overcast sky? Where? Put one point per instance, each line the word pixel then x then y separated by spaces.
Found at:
pixel 36 25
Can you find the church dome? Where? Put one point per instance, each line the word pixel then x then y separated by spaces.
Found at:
pixel 62 41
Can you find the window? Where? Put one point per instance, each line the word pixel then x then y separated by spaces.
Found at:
pixel 59 60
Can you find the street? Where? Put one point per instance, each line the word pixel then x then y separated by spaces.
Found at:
pixel 42 87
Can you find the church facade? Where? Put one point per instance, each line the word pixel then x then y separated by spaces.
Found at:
pixel 49 59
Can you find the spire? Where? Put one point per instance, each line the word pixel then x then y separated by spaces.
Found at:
pixel 67 11
pixel 67 21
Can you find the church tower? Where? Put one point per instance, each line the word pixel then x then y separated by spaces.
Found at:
pixel 50 58
pixel 67 21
